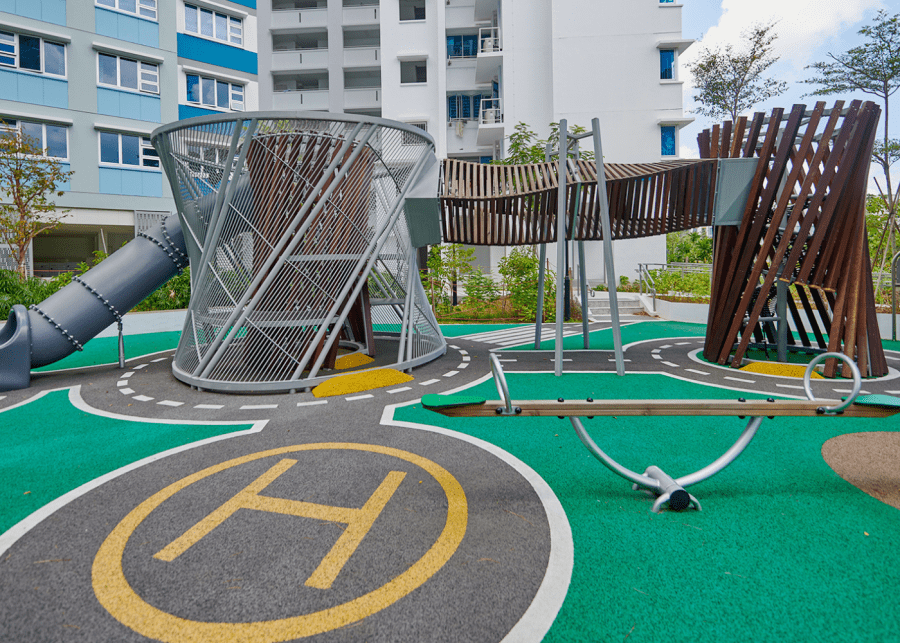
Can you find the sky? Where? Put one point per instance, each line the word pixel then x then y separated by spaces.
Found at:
pixel 808 30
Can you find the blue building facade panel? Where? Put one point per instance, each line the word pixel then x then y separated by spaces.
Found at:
pixel 246 3
pixel 130 182
pixel 214 53
pixel 53 11
pixel 118 25
pixel 66 185
pixel 31 88
pixel 113 102
pixel 189 111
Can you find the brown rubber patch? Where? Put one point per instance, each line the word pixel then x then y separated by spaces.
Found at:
pixel 868 461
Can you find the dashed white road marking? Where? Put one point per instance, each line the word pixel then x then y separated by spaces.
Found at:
pixel 657 357
pixel 888 392
pixel 399 390
pixel 671 364
pixel 159 359
pixel 682 343
pixel 170 403
pixel 429 382
pixel 655 350
pixel 739 379
pixel 125 391
pixel 125 376
pixel 463 352
pixel 314 403
pixel 666 346
pixel 565 359
pixel 122 383
pixel 359 397
pixel 257 407
pixel 466 358
pixel 140 366
pixel 694 370
pixel 509 360
pixel 463 365
pixel 799 388
pixel 209 406
pixel 613 359
pixel 451 373
pixel 142 398
pixel 2 397
pixel 454 347
pixel 896 359
pixel 843 390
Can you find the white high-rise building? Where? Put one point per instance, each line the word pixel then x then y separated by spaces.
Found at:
pixel 467 71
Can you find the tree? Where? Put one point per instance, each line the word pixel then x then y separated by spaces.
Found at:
pixel 731 82
pixel 525 147
pixel 28 180
pixel 871 68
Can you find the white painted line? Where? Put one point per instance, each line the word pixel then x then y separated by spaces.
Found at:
pixel 125 376
pixel 454 347
pixel 2 397
pixel 565 359
pixel 140 366
pixel 122 383
pixel 125 391
pixel 451 373
pixel 682 343
pixel 657 357
pixel 896 359
pixel 655 350
pixel 671 364
pixel 359 397
pixel 613 359
pixel 462 352
pixel 142 398
pixel 315 403
pixel 170 403
pixel 509 360
pixel 799 388
pixel 159 359
pixel 738 379
pixel 209 406
pixel 466 358
pixel 666 346
pixel 694 370
pixel 888 392
pixel 463 365
pixel 399 390
pixel 256 407
pixel 843 390
pixel 429 382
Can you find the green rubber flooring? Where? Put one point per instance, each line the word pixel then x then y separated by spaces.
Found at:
pixel 603 339
pixel 105 350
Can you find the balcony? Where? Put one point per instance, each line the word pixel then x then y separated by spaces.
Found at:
pixel 363 14
pixel 315 99
pixel 299 59
pixel 490 123
pixel 362 98
pixel 490 54
pixel 291 19
pixel 362 56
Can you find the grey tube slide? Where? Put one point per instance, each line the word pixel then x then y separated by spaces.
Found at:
pixel 63 322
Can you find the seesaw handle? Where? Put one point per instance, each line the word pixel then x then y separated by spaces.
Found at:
pixel 857 381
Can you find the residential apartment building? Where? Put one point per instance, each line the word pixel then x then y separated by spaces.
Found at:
pixel 91 79
pixel 467 71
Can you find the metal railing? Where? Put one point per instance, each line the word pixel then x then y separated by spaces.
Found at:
pixel 489 40
pixel 491 111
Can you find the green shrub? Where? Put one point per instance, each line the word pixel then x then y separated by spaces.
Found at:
pixel 30 291
pixel 519 272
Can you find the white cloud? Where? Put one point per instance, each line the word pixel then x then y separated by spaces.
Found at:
pixel 688 152
pixel 803 25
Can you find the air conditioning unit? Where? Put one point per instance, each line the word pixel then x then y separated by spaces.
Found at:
pixel 489 117
pixel 487 45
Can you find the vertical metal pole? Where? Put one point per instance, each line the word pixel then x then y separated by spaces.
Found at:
pixel 781 290
pixel 607 249
pixel 894 296
pixel 561 240
pixel 582 277
pixel 539 312
pixel 121 346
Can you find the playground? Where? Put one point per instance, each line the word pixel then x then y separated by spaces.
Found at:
pixel 308 454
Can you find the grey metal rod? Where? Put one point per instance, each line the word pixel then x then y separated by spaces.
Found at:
pixel 607 249
pixel 562 164
pixel 582 276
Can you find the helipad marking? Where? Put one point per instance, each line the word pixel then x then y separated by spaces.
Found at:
pixel 117 596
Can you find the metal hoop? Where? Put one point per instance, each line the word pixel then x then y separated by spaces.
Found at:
pixel 857 381
pixel 502 387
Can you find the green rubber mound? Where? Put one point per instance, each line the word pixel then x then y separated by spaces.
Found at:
pixel 883 401
pixel 432 401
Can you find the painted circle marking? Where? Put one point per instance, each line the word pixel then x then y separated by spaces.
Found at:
pixel 122 602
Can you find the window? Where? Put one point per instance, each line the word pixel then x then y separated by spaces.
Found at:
pixel 210 92
pixel 413 71
pixel 412 9
pixel 667 140
pixel 485 160
pixel 124 73
pixel 462 46
pixel 213 25
pixel 463 106
pixel 666 64
pixel 142 8
pixel 127 150
pixel 32 54
pixel 52 139
pixel 409 138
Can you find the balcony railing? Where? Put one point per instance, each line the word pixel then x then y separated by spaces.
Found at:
pixel 362 56
pixel 362 15
pixel 291 59
pixel 288 18
pixel 300 99
pixel 491 111
pixel 489 40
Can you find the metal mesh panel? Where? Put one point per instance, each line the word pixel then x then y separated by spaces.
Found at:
pixel 294 228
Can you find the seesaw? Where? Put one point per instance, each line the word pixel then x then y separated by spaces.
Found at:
pixel 670 492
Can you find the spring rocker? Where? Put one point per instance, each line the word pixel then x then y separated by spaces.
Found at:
pixel 670 492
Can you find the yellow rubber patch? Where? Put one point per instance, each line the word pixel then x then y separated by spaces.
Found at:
pixel 775 368
pixel 352 361
pixel 356 382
